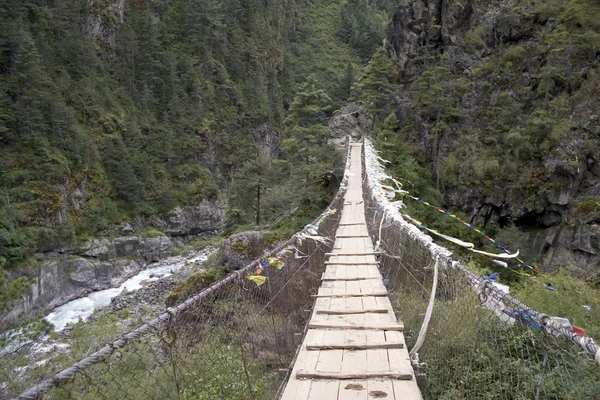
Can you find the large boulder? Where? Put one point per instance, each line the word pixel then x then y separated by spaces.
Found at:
pixel 351 119
pixel 155 249
pixel 242 248
pixel 101 249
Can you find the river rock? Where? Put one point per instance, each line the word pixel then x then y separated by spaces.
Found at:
pixel 154 293
pixel 155 249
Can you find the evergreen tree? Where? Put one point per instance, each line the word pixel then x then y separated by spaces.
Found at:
pixel 249 185
pixel 306 135
pixel 378 80
pixel 349 79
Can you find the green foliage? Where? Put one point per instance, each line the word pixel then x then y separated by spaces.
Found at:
pixel 362 25
pixel 588 205
pixel 157 110
pixel 567 301
pixel 470 353
pixel 315 47
pixel 378 80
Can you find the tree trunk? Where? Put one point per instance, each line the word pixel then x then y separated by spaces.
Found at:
pixel 258 204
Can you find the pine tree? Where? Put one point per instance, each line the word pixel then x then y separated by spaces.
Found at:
pixel 348 82
pixel 378 81
pixel 250 183
pixel 306 136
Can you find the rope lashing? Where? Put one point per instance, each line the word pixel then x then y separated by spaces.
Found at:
pixel 378 243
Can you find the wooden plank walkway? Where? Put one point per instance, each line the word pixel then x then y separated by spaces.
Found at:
pixel 354 347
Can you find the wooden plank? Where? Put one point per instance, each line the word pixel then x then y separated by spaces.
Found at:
pixel 354 278
pixel 372 253
pixel 353 390
pixel 299 389
pixel 351 263
pixel 330 361
pixel 353 311
pixel 406 390
pixel 344 346
pixel 372 294
pixel 379 388
pixel 342 325
pixel 351 236
pixel 401 375
pixel 323 390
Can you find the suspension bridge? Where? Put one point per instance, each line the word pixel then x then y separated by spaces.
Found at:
pixel 354 347
pixel 316 318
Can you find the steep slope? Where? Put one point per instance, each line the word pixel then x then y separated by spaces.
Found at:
pixel 498 102
pixel 121 117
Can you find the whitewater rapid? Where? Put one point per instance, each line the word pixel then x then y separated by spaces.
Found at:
pixel 83 307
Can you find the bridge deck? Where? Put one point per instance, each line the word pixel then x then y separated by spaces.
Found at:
pixel 354 347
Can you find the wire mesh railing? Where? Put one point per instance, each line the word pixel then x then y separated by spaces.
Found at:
pixel 233 340
pixel 480 343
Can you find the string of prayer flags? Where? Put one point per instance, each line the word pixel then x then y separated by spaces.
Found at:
pixel 258 279
pixel 273 262
pixel 523 317
pixel 390 192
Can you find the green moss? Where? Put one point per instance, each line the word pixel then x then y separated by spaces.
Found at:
pixel 276 235
pixel 240 247
pixel 151 233
pixel 588 205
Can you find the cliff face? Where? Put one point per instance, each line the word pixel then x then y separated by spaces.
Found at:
pixel 500 100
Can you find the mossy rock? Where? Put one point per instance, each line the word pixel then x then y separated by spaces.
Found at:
pixel 240 249
pixel 194 284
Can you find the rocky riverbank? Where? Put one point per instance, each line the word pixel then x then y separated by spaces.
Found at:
pixel 125 311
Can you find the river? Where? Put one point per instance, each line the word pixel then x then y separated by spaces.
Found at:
pixel 83 307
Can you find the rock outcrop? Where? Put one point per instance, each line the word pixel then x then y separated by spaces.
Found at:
pixel 205 218
pixel 421 28
pixel 352 118
pixel 69 272
pixel 103 25
pixel 268 141
pixel 575 246
pixel 67 278
pixel 482 134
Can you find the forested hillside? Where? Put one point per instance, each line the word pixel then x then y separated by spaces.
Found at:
pixel 119 112
pixel 490 108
